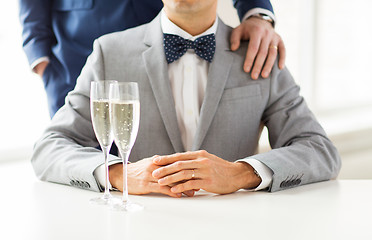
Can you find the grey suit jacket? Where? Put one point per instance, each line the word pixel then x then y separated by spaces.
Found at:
pixel 233 109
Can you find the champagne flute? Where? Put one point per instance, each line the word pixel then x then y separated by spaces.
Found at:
pixel 125 116
pixel 100 113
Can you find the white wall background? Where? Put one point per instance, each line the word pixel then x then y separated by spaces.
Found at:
pixel 328 52
pixel 22 99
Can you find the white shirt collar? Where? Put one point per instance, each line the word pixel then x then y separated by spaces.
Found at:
pixel 170 28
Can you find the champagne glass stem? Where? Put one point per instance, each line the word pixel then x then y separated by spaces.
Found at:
pixel 125 157
pixel 105 151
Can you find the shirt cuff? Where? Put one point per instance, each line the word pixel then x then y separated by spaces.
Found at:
pixel 39 60
pixel 255 11
pixel 99 173
pixel 265 173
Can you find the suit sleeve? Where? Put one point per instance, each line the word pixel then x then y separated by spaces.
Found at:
pixel 67 151
pixel 243 6
pixel 37 34
pixel 301 152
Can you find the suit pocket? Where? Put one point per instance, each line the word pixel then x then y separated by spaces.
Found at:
pixel 69 5
pixel 241 92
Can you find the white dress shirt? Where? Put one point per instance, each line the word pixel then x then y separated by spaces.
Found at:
pixel 188 79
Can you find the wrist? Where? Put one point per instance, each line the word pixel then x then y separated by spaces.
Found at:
pixel 116 175
pixel 248 177
pixel 40 68
pixel 263 17
pixel 263 11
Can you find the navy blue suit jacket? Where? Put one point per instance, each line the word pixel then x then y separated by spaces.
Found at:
pixel 64 30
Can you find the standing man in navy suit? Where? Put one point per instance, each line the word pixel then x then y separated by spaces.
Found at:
pixel 58 36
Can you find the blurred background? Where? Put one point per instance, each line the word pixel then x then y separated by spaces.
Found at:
pixel 328 52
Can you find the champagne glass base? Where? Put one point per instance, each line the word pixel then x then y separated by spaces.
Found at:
pixel 104 200
pixel 127 206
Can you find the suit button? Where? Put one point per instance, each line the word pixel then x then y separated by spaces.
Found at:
pixel 298 181
pixel 283 184
pixel 72 182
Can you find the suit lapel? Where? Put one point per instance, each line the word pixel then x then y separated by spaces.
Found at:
pixel 157 71
pixel 217 76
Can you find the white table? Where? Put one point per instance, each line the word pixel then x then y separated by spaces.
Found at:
pixel 34 210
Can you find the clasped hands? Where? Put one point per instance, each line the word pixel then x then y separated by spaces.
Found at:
pixel 185 173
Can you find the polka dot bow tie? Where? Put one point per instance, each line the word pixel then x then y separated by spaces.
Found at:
pixel 175 46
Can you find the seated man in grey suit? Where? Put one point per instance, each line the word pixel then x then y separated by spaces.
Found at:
pixel 197 99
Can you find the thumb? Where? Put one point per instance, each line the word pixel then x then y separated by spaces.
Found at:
pixel 235 37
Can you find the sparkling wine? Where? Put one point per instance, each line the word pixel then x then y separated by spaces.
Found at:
pixel 101 122
pixel 125 123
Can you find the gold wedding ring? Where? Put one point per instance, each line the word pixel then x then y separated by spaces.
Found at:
pixel 193 173
pixel 273 46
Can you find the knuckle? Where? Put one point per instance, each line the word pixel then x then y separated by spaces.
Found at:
pixel 191 185
pixel 268 33
pixel 263 51
pixel 205 162
pixel 257 29
pixel 178 164
pixel 143 183
pixel 237 29
pixel 209 171
pixel 149 168
pixel 253 48
pixel 203 152
pixel 147 176
pixel 180 188
pixel 167 179
pixel 160 171
pixel 209 181
pixel 278 38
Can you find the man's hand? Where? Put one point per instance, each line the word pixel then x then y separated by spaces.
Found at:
pixel 140 179
pixel 264 44
pixel 202 170
pixel 40 68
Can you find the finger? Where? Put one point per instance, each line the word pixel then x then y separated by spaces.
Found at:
pixel 282 54
pixel 235 37
pixel 189 193
pixel 273 52
pixel 178 177
pixel 253 47
pixel 169 159
pixel 189 185
pixel 156 188
pixel 175 168
pixel 260 58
